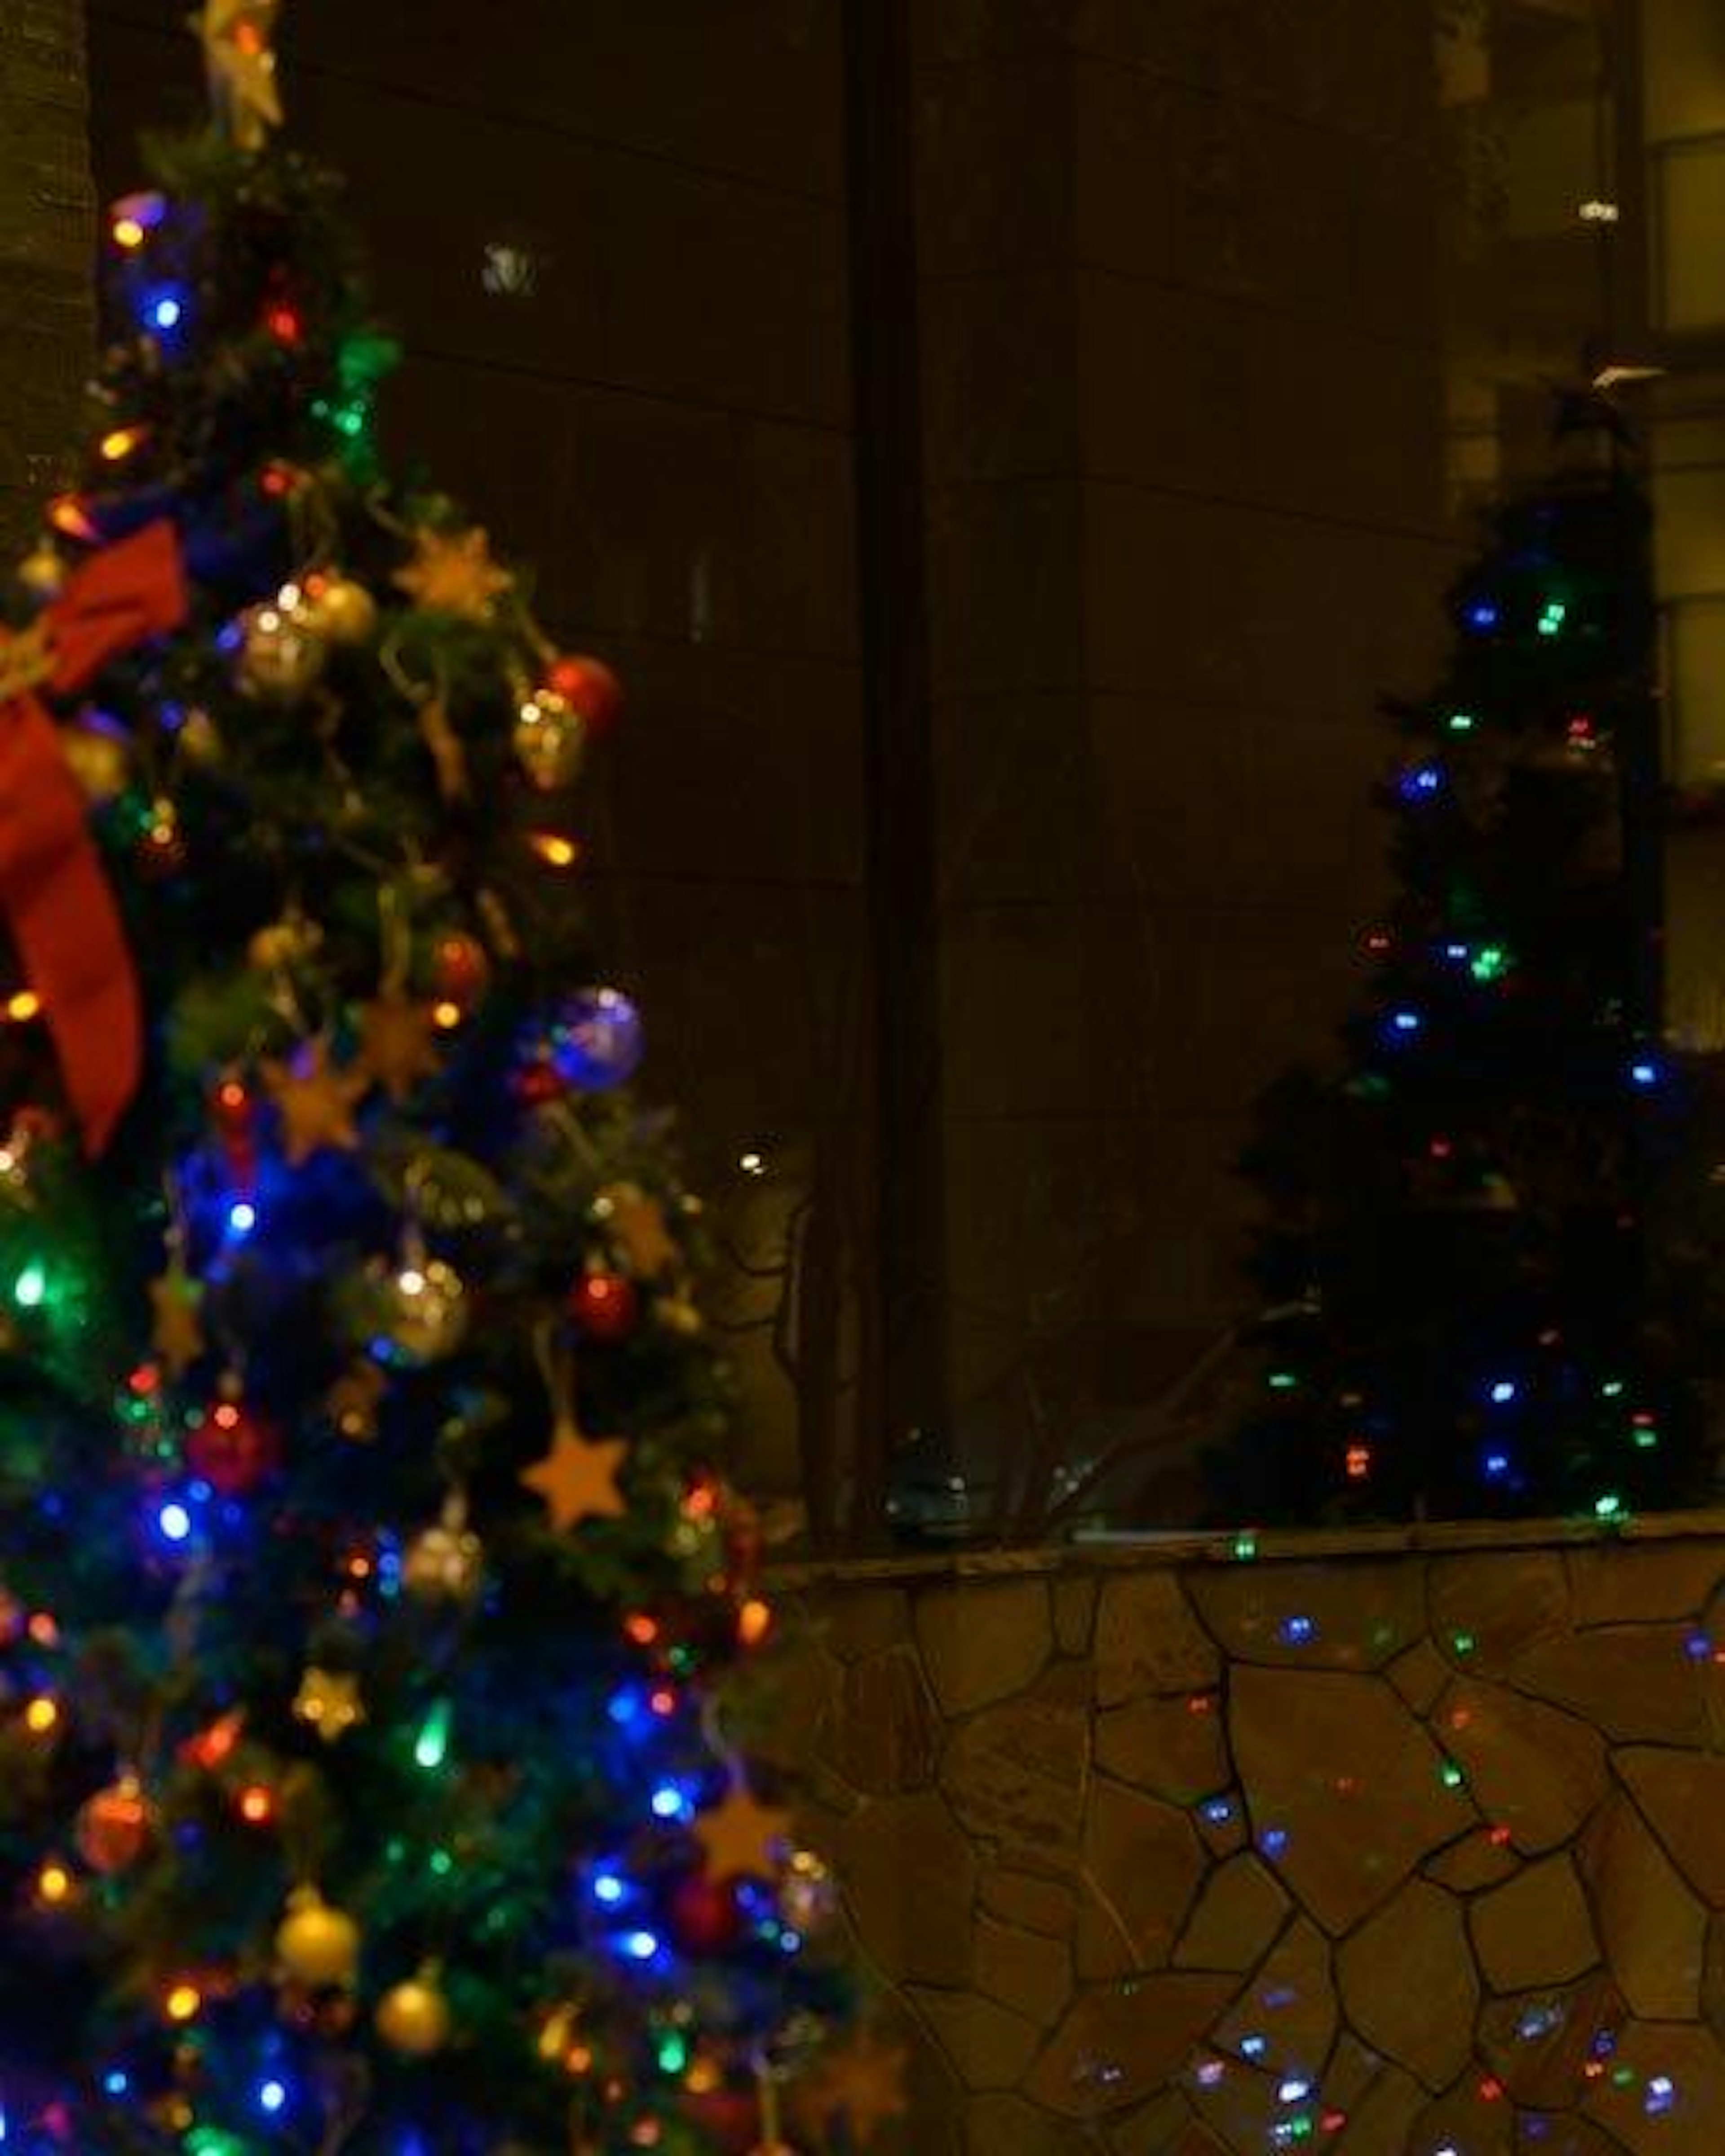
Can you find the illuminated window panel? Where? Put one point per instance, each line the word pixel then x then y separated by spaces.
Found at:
pixel 1689 187
pixel 1695 662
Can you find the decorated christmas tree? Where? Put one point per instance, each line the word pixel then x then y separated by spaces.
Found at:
pixel 373 1762
pixel 1474 1303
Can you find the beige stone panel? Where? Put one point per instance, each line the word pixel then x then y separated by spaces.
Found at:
pixel 1347 1616
pixel 1682 1797
pixel 1642 1583
pixel 1653 1928
pixel 1120 2043
pixel 1285 2020
pixel 1534 1769
pixel 1480 1859
pixel 1148 1640
pixel 1016 1772
pixel 1383 2116
pixel 1337 1765
pixel 909 1876
pixel 1143 1863
pixel 988 2045
pixel 1690 2061
pixel 1026 1971
pixel 1408 1986
pixel 995 2123
pixel 1488 1608
pixel 1463 2119
pixel 1239 1914
pixel 1028 1901
pixel 1535 1929
pixel 1075 1615
pixel 1420 1675
pixel 983 1641
pixel 1164 1748
pixel 1635 1681
pixel 854 1621
pixel 881 1732
pixel 1540 2044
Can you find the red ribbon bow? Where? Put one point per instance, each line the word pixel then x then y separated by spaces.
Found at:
pixel 54 895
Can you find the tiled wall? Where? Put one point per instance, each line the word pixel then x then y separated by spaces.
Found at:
pixel 45 324
pixel 663 430
pixel 1410 1853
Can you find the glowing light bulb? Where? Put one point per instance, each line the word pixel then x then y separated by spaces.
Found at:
pixel 182 2003
pixel 272 2097
pixel 30 1288
pixel 554 849
pixel 24 1006
pixel 432 1747
pixel 116 446
pixel 173 1523
pixel 43 1715
pixel 53 1884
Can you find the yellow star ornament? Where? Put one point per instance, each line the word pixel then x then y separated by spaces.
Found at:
pixel 396 1042
pixel 864 2083
pixel 328 1700
pixel 742 1838
pixel 317 1101
pixel 453 572
pixel 176 1335
pixel 240 53
pixel 635 1223
pixel 577 1477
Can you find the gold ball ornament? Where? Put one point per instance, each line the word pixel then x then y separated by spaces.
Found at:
pixel 101 761
pixel 114 1827
pixel 316 1944
pixel 550 740
pixel 446 1563
pixel 414 2018
pixel 281 656
pixel 41 572
pixel 341 610
pixel 422 1310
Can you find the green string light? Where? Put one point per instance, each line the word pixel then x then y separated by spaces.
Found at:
pixel 431 1748
pixel 29 1291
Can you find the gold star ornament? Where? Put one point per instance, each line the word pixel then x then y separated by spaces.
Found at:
pixel 328 1700
pixel 317 1101
pixel 577 1477
pixel 176 1334
pixel 239 52
pixel 396 1042
pixel 864 2084
pixel 635 1223
pixel 742 1838
pixel 453 572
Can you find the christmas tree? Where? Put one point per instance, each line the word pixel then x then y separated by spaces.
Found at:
pixel 371 1774
pixel 1473 1307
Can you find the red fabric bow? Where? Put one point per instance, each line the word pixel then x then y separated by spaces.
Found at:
pixel 54 895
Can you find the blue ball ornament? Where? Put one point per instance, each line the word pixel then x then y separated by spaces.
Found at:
pixel 598 1041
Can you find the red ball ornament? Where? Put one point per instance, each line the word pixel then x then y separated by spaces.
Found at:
pixel 590 686
pixel 704 1915
pixel 604 1305
pixel 539 1084
pixel 233 1448
pixel 115 1828
pixel 461 972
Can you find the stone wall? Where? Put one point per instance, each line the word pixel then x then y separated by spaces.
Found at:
pixel 1364 1847
pixel 45 315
